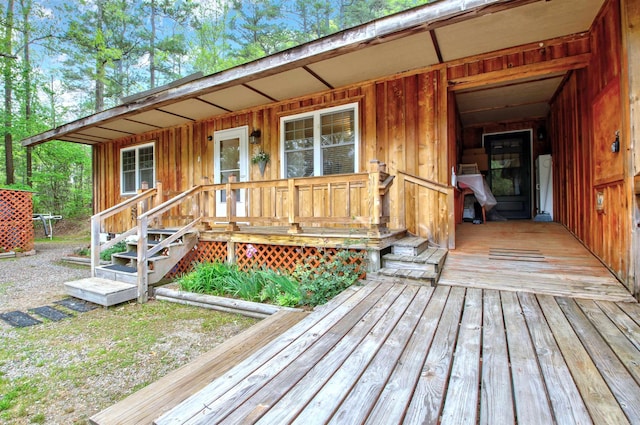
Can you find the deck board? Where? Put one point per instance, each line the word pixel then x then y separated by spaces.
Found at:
pixel 398 352
pixel 542 258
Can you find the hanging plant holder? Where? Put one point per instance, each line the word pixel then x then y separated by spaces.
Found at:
pixel 261 166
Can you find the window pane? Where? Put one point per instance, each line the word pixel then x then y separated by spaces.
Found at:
pixel 338 159
pixel 145 165
pixel 128 179
pixel 299 163
pixel 298 134
pixel 337 128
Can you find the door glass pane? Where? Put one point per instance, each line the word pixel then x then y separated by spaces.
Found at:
pixel 229 163
pixel 506 168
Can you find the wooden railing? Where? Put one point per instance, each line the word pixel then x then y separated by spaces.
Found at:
pixel 354 200
pixel 138 204
pixel 427 209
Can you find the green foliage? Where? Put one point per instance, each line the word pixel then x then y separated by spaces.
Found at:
pixel 333 275
pixel 308 285
pixel 260 285
pixel 119 247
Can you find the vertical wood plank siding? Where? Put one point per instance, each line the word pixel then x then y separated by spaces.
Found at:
pixel 398 125
pixel 578 151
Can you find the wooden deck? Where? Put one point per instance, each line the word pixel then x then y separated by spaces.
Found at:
pixel 392 352
pixel 528 256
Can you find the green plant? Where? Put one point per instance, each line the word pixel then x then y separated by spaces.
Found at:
pixel 332 275
pixel 119 247
pixel 263 285
pixel 83 252
pixel 260 156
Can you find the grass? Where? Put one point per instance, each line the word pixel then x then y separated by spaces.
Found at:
pixel 79 366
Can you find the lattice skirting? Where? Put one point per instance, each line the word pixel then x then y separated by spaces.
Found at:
pixel 16 220
pixel 248 255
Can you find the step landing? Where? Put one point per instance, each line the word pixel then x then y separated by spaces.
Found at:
pixel 105 292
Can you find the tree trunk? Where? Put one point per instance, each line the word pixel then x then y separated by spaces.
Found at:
pixel 26 76
pixel 152 47
pixel 8 93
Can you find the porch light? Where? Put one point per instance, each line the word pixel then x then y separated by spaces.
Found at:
pixel 254 137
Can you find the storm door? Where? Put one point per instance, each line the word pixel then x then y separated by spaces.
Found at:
pixel 509 174
pixel 230 156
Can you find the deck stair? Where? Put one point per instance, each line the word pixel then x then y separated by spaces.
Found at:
pixel 412 258
pixel 117 282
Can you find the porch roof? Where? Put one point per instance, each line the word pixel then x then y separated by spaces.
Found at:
pixel 435 33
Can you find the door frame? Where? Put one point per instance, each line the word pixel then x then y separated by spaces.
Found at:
pixel 242 134
pixel 532 179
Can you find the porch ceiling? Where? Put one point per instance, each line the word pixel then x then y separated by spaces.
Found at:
pixel 441 31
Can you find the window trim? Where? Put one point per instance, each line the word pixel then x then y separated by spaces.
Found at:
pixel 136 148
pixel 317 145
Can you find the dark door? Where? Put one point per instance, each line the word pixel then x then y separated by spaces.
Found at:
pixel 510 173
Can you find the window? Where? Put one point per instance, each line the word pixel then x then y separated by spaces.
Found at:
pixel 320 143
pixel 137 165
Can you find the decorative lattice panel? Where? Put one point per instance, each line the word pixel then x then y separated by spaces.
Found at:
pixel 279 257
pixel 204 251
pixel 16 220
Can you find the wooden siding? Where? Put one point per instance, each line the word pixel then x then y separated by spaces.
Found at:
pixel 584 117
pixel 399 120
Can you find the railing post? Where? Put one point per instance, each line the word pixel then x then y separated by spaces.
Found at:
pixel 143 204
pixel 204 203
pixel 143 276
pixel 159 201
pixel 293 208
pixel 231 205
pixel 95 243
pixel 376 224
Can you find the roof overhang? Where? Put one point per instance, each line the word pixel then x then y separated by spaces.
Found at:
pixel 417 38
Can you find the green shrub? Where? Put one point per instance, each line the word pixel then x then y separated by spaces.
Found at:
pixel 119 247
pixel 308 285
pixel 332 276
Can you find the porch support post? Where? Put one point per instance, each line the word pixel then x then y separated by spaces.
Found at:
pixel 373 260
pixel 293 207
pixel 630 79
pixel 231 252
pixel 231 205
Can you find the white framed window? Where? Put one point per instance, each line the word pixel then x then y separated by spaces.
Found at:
pixel 137 165
pixel 321 142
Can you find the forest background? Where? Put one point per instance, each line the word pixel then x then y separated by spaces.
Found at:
pixel 62 60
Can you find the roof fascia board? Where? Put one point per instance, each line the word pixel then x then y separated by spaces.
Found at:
pixel 424 18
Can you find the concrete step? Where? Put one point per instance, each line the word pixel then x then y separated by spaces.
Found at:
pixel 105 292
pixel 410 245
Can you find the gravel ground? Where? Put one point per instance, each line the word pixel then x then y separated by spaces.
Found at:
pixel 37 280
pixel 64 372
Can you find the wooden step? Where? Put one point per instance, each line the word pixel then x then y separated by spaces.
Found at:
pixel 118 272
pixel 161 396
pixel 427 277
pixel 410 245
pixel 432 259
pixel 105 292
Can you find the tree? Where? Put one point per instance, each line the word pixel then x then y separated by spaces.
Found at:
pixel 7 74
pixel 211 43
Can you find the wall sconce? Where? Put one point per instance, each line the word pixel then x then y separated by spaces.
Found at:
pixel 542 133
pixel 615 146
pixel 209 138
pixel 254 137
